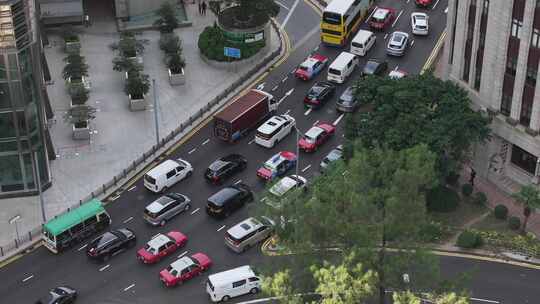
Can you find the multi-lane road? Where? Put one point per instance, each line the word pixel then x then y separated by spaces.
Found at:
pixel 125 280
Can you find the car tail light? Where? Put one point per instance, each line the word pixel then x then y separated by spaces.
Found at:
pixel 215 178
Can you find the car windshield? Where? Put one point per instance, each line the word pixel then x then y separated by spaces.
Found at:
pixel 194 260
pixel 150 179
pixel 151 250
pixel 334 72
pixel 303 68
pixel 315 91
pixel 332 18
pixel 370 67
pixel 104 239
pixel 347 95
pixel 309 139
pixel 270 166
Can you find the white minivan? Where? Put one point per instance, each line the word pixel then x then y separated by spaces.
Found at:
pixel 274 130
pixel 232 283
pixel 362 42
pixel 342 67
pixel 166 174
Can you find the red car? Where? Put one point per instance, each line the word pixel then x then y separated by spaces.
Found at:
pixel 184 269
pixel 316 136
pixel 160 246
pixel 381 18
pixel 423 3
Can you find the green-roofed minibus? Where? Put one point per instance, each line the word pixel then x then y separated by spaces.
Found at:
pixel 75 225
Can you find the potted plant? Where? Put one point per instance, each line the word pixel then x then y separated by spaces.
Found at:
pixel 79 96
pixel 170 43
pixel 136 87
pixel 130 47
pixel 72 44
pixel 176 66
pixel 167 20
pixel 74 72
pixel 80 117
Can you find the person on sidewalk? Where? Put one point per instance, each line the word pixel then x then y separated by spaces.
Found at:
pixel 200 8
pixel 204 8
pixel 473 175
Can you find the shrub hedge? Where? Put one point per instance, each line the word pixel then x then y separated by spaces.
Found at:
pixel 480 198
pixel 211 43
pixel 442 199
pixel 469 239
pixel 466 189
pixel 500 212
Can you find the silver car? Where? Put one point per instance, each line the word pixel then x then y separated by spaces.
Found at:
pixel 334 155
pixel 347 102
pixel 397 44
pixel 248 233
pixel 165 208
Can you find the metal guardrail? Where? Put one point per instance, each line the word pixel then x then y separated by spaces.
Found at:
pixel 34 234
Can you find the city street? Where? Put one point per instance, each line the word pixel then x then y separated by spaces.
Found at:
pixel 124 279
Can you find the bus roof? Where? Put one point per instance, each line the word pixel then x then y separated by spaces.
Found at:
pixel 73 217
pixel 339 6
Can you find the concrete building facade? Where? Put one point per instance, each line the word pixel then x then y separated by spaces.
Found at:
pixel 23 134
pixel 492 50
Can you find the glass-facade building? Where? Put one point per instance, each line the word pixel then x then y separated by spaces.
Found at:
pixel 22 114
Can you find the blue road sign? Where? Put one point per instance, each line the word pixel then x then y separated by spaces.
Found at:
pixel 231 52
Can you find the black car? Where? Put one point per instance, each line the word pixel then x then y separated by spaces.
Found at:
pixel 375 67
pixel 319 93
pixel 60 295
pixel 225 167
pixel 228 199
pixel 111 243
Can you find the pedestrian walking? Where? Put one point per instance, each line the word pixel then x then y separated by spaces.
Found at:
pixel 473 175
pixel 200 9
pixel 204 8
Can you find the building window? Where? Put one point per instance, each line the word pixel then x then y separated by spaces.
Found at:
pixel 526 110
pixel 516 28
pixel 531 76
pixel 486 7
pixel 511 65
pixel 523 159
pixel 535 40
pixel 506 104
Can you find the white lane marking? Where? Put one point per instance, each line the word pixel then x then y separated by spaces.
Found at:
pixel 308 111
pixel 205 142
pixel 289 92
pixel 260 86
pixel 238 182
pixel 287 112
pixel 316 122
pixel 275 88
pixel 182 254
pixel 306 168
pixel 397 18
pixel 112 199
pixel 132 188
pixel 396 68
pixel 284 79
pixel 195 211
pixel 289 14
pixel 192 150
pixel 435 5
pixel 104 267
pixel 373 12
pixel 221 228
pixel 282 5
pixel 484 300
pixel 249 143
pixel 82 247
pixel 293 70
pixel 338 120
pixel 129 219
pixel 446 10
pixel 385 36
pixel 129 287
pixel 316 48
pixel 412 42
pixel 28 278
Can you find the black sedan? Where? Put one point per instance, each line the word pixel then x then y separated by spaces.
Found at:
pixel 319 94
pixel 111 243
pixel 225 167
pixel 375 67
pixel 60 294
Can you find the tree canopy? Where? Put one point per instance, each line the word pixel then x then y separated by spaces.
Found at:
pixel 418 110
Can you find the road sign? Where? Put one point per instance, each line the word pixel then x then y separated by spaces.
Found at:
pixel 231 52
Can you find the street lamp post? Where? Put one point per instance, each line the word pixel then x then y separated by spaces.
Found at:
pixel 15 220
pixel 155 111
pixel 298 133
pixel 38 183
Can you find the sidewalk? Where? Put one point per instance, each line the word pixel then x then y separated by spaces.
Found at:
pixel 119 136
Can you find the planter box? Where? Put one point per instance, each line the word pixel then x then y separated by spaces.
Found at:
pixel 73 105
pixel 73 47
pixel 177 79
pixel 71 85
pixel 81 132
pixel 136 59
pixel 137 104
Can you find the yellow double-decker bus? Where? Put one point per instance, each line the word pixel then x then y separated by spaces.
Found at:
pixel 341 19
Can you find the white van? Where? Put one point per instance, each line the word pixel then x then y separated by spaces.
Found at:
pixel 235 282
pixel 342 67
pixel 274 130
pixel 362 42
pixel 166 174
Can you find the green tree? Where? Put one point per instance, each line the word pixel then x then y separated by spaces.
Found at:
pixel 529 197
pixel 167 21
pixel 415 110
pixel 75 67
pixel 411 298
pixel 252 8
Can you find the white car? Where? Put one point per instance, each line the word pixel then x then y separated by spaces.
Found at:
pixel 420 23
pixel 274 130
pixel 284 186
pixel 165 175
pixel 397 74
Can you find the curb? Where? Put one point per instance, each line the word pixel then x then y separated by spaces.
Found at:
pixel 434 53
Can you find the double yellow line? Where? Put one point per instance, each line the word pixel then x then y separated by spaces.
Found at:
pixel 434 53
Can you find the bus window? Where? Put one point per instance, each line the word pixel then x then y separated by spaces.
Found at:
pixel 90 221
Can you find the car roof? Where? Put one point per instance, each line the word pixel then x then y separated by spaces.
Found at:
pixel 162 168
pixel 182 263
pixel 158 240
pixel 231 275
pixel 342 60
pixel 381 13
pixel 285 184
pixel 271 124
pixel 217 164
pixel 223 195
pixel 314 131
pixel 159 204
pixel 362 35
pixel 245 227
